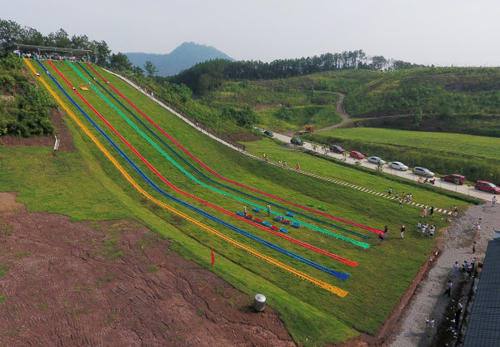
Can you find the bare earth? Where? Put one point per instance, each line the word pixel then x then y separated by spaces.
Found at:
pixel 429 301
pixel 114 283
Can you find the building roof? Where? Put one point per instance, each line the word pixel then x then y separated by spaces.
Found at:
pixel 484 322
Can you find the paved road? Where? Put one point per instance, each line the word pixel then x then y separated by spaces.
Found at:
pixel 406 174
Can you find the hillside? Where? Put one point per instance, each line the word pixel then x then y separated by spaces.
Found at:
pixel 312 314
pixel 462 100
pixel 24 107
pixel 181 58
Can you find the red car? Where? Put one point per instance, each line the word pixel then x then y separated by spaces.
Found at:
pixel 454 178
pixel 357 155
pixel 487 187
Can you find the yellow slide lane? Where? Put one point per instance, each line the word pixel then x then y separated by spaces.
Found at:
pixel 331 288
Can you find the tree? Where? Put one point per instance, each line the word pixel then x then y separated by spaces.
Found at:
pixel 150 68
pixel 378 62
pixel 10 32
pixel 120 62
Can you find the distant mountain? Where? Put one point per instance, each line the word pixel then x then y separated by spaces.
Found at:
pixel 181 58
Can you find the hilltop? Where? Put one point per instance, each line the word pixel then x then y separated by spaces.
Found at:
pixel 183 57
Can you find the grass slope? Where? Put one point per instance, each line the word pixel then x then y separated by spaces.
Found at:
pixel 311 314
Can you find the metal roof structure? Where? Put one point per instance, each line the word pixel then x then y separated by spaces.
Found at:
pixel 484 323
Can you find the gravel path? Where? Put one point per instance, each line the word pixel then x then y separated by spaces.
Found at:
pixel 429 300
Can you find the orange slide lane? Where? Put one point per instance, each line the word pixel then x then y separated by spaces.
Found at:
pixel 331 288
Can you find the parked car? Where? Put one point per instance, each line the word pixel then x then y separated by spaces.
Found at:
pixel 337 149
pixel 268 133
pixel 422 171
pixel 296 141
pixel 376 160
pixel 397 165
pixel 487 187
pixel 454 178
pixel 357 155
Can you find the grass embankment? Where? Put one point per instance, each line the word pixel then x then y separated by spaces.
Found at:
pixel 475 157
pixel 311 314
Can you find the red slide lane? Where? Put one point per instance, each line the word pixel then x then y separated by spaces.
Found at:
pixel 204 202
pixel 374 230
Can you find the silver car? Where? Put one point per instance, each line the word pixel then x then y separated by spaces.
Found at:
pixel 376 160
pixel 397 165
pixel 422 171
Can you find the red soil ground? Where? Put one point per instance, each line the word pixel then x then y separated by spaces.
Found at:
pixel 114 283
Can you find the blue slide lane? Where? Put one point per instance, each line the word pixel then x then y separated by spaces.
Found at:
pixel 209 178
pixel 341 275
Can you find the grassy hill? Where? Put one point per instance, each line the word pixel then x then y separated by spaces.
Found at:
pixel 462 100
pixel 312 315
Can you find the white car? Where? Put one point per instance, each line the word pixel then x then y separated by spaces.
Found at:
pixel 422 171
pixel 376 160
pixel 397 165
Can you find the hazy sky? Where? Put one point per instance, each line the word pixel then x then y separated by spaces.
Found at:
pixel 441 32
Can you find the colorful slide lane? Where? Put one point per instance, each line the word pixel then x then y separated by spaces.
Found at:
pixel 194 179
pixel 374 230
pixel 341 275
pixel 331 288
pixel 199 172
pixel 206 203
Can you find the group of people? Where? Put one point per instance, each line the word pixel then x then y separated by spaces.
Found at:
pixel 424 228
pixel 427 212
pixel 404 197
pixel 466 269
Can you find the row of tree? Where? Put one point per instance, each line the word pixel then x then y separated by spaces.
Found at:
pixel 206 76
pixel 12 33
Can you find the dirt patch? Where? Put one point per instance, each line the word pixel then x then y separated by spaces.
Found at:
pixel 62 132
pixel 241 137
pixel 114 283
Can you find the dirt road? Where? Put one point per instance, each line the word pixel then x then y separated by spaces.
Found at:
pixel 429 301
pixel 340 111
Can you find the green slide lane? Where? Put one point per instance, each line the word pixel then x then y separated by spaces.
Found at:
pixel 194 179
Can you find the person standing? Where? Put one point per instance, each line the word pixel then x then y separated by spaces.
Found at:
pixel 390 190
pixel 449 285
pixel 403 228
pixel 245 210
pixel 431 212
pixel 424 212
pixel 455 269
pixel 474 247
pixel 493 201
pixel 268 210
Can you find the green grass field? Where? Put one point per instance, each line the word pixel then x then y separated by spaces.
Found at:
pixel 84 185
pixel 470 145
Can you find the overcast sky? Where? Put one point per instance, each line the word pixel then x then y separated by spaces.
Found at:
pixel 441 32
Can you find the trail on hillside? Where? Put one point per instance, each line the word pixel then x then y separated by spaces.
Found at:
pixel 340 110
